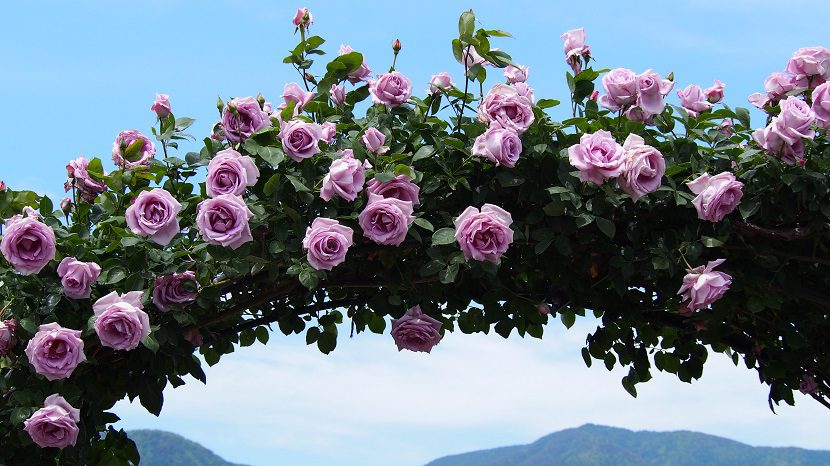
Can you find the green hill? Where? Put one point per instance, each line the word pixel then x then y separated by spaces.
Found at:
pixel 158 448
pixel 592 445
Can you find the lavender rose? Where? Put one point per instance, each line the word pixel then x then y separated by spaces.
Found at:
pixel 338 94
pixel 516 74
pixel 360 74
pixel 808 385
pixel 795 120
pixel 506 107
pixel 620 86
pixel 55 351
pixel 386 220
pixel 643 169
pixel 77 277
pixel 327 242
pixel 484 235
pixel 597 157
pixel 575 48
pixel 292 92
pixel 703 286
pixel 694 100
pixel 300 139
pixel 714 94
pixel 778 84
pixel 230 172
pixel 726 127
pixel 416 331
pixel 345 178
pixel 7 338
pixel 440 82
pixel 392 89
pixel 175 289
pixel 811 62
pixel 55 425
pixel 242 117
pixel 401 187
pixel 27 243
pixel 153 215
pixel 161 106
pixel 821 105
pixel 651 91
pixel 223 220
pixel 373 140
pixel 500 146
pixel 769 139
pixel 119 321
pixel 86 187
pixel 717 196
pixel 327 132
pixel 302 18
pixel 143 151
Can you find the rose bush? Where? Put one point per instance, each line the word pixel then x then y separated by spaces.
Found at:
pixel 682 228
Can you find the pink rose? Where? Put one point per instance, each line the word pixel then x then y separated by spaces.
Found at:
pixel 145 151
pixel 717 196
pixel 643 169
pixel 620 86
pixel 821 105
pixel 27 243
pixel 637 114
pixel 714 94
pixel 360 74
pixel 516 74
pixel 470 57
pixel 770 140
pixel 694 100
pixel 795 121
pixel 7 338
pixel 327 132
pixel 300 139
pixel 119 321
pixel 192 336
pixel 703 286
pixel 440 82
pixel 345 178
pixel 651 91
pixel 503 105
pixel 175 289
pixel 759 100
pixel 500 146
pixel 327 242
pixel 77 277
pixel 416 331
pixel 373 140
pixel 808 385
pixel 726 127
pixel 242 117
pixel 392 89
pixel 597 157
pixel 55 425
pixel 55 351
pixel 594 95
pixel 338 94
pixel 230 172
pixel 386 220
pixel 525 91
pixel 303 18
pixel 575 48
pixel 484 235
pixel 294 93
pixel 66 206
pixel 86 187
pixel 401 187
pixel 812 62
pixel 778 84
pixel 161 106
pixel 223 221
pixel 154 215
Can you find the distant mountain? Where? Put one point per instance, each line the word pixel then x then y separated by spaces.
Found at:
pixel 593 445
pixel 159 448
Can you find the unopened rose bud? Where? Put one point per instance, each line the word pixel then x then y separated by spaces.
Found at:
pixel 396 46
pixel 66 205
pixel 232 108
pixel 220 104
pixel 2 185
pixel 594 95
pixel 670 76
pixel 260 99
pixel 310 78
pixel 302 18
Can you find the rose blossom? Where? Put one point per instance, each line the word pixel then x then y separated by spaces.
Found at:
pixel 597 157
pixel 154 215
pixel 812 62
pixel 294 93
pixel 643 169
pixel 193 337
pixel 119 321
pixel 7 338
pixel 575 48
pixel 400 187
pixel 416 331
pixel 505 106
pixel 27 243
pixel 392 89
pixel 359 74
pixel 470 57
pixel 161 106
pixel 327 242
pixel 778 84
pixel 300 139
pixel 77 277
pixel 759 100
pixel 594 95
pixel 770 140
pixel 300 18
pixel 55 425
pixel 440 82
pixel 500 146
pixel 55 351
pixel 637 114
pixel 808 385
pixel 516 74
pixel 247 118
pixel 373 140
pixel 726 127
pixel 327 132
pixel 386 220
pixel 714 94
pixel 717 195
pixel 125 139
pixel 338 94
pixel 703 286
pixel 525 91
pixel 795 121
pixel 230 172
pixel 170 290
pixel 345 178
pixel 651 90
pixel 66 205
pixel 223 221
pixel 484 235
pixel 620 86
pixel 693 99
pixel 821 105
pixel 86 187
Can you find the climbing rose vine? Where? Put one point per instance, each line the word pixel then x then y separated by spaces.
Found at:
pixel 354 201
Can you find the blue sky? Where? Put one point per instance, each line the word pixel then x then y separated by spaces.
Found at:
pixel 76 73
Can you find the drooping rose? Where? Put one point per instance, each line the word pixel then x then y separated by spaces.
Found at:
pixel 620 86
pixel 360 74
pixel 714 94
pixel 821 105
pixel 717 196
pixel 811 62
pixel 327 132
pixel 303 18
pixel 694 100
pixel 575 48
pixel 327 242
pixel 77 277
pixel 7 338
pixel 484 235
pixel 66 206
pixel 345 178
pixel 499 145
pixel 55 351
pixel 597 157
pixel 504 106
pixel 643 169
pixel 769 139
pixel 242 117
pixel 230 172
pixel 193 337
pixel 292 92
pixel 386 220
pixel 161 106
pixel 338 94
pixel 175 289
pixel 373 140
pixel 154 215
pixel 85 186
pixel 55 425
pixel 27 243
pixel 651 91
pixel 392 89
pixel 119 321
pixel 401 187
pixel 439 83
pixel 808 385
pixel 702 286
pixel 516 74
pixel 145 149
pixel 300 139
pixel 223 221
pixel 416 331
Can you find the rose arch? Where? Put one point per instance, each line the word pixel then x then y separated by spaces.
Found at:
pixel 357 202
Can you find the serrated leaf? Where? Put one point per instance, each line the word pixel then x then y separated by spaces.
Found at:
pixel 443 236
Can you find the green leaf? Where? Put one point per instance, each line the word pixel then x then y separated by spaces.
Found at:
pixel 466 24
pixel 327 342
pixel 151 343
pixel 128 241
pixel 547 103
pixel 606 226
pixel 510 178
pixel 424 152
pixel 443 236
pixel 710 242
pixel 425 224
pixel 309 279
pixel 46 206
pixel 448 275
pixel 298 184
pixel 272 185
pixel 273 155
